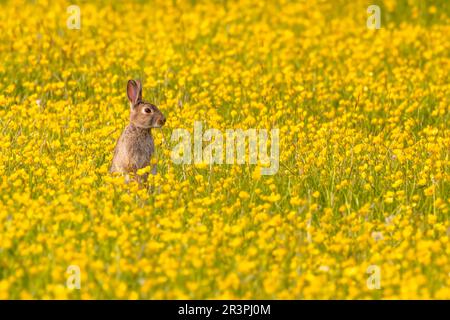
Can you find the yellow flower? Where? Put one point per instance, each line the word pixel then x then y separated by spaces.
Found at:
pixel 274 197
pixel 429 191
pixel 244 195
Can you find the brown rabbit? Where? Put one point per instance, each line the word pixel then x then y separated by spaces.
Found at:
pixel 135 146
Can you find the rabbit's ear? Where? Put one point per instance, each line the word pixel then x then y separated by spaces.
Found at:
pixel 134 91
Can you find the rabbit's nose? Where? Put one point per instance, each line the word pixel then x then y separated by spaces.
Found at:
pixel 162 121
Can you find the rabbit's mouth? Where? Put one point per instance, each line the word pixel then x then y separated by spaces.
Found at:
pixel 159 123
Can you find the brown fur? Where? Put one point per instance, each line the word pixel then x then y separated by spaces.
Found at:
pixel 135 146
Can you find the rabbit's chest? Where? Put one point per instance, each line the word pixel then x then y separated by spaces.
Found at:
pixel 133 151
pixel 139 150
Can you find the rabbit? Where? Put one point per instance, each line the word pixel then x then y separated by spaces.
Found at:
pixel 135 146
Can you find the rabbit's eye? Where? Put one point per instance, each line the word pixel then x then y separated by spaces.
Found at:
pixel 148 110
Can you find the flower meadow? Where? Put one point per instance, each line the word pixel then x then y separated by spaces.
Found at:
pixel 358 209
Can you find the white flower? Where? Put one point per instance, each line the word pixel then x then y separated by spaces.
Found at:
pixel 377 235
